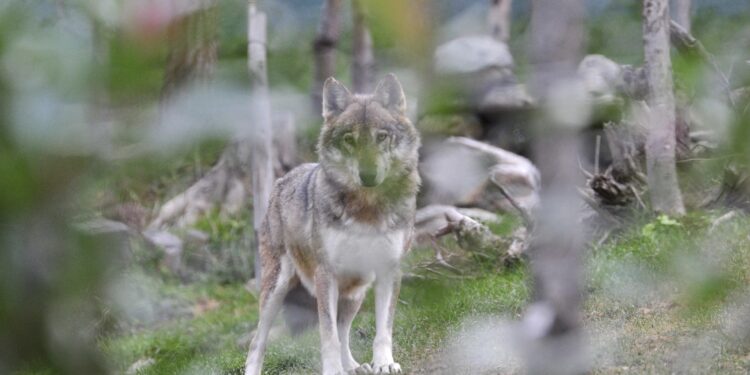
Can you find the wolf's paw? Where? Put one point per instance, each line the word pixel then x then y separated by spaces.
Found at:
pixel 363 369
pixel 335 372
pixel 391 368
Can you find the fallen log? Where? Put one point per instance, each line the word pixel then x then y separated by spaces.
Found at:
pixel 472 235
pixel 431 219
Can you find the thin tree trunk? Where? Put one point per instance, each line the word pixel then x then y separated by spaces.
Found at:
pixel 499 19
pixel 681 13
pixel 261 142
pixel 324 48
pixel 193 49
pixel 660 113
pixel 363 59
pixel 552 321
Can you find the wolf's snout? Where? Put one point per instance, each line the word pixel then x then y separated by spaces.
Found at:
pixel 369 179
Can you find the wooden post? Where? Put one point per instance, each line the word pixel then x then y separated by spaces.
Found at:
pixel 660 110
pixel 363 60
pixel 261 140
pixel 324 48
pixel 499 19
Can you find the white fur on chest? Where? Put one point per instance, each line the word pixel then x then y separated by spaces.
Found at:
pixel 359 250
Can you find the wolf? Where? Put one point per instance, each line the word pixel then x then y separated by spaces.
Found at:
pixel 339 226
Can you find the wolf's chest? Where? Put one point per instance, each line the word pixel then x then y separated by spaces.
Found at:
pixel 356 250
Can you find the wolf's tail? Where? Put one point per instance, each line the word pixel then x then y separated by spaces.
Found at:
pixel 300 310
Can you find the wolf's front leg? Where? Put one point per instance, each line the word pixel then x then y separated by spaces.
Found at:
pixel 327 293
pixel 348 308
pixel 276 281
pixel 386 295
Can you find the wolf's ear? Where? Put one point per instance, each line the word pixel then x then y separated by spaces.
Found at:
pixel 335 97
pixel 390 94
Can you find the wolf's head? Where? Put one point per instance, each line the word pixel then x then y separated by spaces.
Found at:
pixel 367 140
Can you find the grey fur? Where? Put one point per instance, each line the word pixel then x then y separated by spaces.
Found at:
pixel 335 227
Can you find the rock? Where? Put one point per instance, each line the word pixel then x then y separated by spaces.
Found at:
pixel 140 365
pixel 476 72
pixel 505 97
pixel 471 54
pixel 117 235
pixel 601 76
pixel 196 236
pixel 170 244
pixel 103 227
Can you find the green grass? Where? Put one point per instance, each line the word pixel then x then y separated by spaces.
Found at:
pixel 208 343
pixel 661 296
pixel 204 341
pixel 658 300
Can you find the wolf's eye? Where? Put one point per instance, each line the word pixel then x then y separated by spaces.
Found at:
pixel 348 139
pixel 382 136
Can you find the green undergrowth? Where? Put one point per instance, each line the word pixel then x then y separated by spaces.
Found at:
pixel 665 296
pixel 659 297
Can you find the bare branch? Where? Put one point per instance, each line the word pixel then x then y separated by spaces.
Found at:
pixel 687 43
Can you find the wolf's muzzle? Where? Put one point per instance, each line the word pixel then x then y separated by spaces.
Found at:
pixel 369 179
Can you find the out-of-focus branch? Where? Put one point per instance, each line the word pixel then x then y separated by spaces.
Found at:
pixel 324 48
pixel 499 19
pixel 363 57
pixel 435 221
pixel 687 43
pixel 193 48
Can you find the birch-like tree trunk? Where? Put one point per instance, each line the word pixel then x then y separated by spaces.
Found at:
pixel 261 142
pixel 363 59
pixel 681 13
pixel 659 114
pixel 499 19
pixel 324 48
pixel 552 321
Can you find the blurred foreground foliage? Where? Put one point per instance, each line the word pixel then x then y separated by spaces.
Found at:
pixel 79 86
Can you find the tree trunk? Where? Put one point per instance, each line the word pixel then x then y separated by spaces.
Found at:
pixel 261 142
pixel 660 113
pixel 552 321
pixel 499 19
pixel 363 60
pixel 324 48
pixel 681 13
pixel 193 49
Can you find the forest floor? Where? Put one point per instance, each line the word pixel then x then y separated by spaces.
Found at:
pixel 663 296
